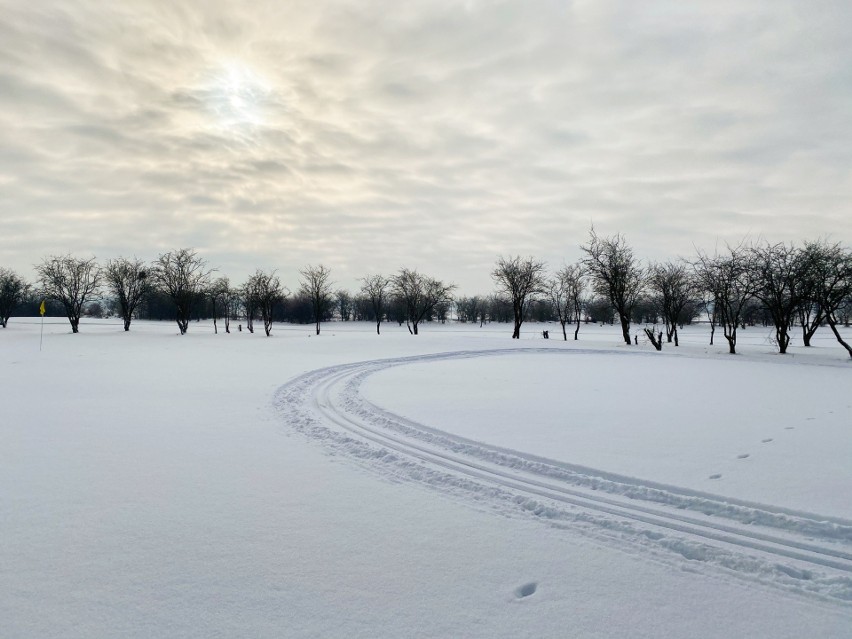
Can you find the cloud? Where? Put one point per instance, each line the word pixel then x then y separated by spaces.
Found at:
pixel 369 136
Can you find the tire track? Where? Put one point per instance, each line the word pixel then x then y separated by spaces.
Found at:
pixel 795 550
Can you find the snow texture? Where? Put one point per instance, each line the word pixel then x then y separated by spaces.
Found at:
pixel 456 484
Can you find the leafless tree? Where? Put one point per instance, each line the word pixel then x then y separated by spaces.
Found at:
pixel 266 292
pixel 830 267
pixel 375 288
pixel 655 338
pixel 249 304
pixel 729 281
pixel 442 310
pixel 13 290
pixel 616 274
pixel 128 280
pixel 71 282
pixel 184 277
pixel 418 295
pixel 673 289
pixel 316 286
pixel 473 309
pixel 519 280
pixel 810 318
pixel 810 313
pixel 780 285
pixel 566 295
pixel 468 308
pixel 344 303
pixel 223 298
pixel 232 302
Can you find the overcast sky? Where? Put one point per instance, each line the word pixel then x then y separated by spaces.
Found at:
pixel 436 135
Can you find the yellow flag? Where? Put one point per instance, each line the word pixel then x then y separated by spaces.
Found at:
pixel 41 308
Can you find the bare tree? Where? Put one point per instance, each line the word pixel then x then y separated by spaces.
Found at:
pixel 222 296
pixel 249 303
pixel 13 290
pixel 780 285
pixel 616 274
pixel 266 292
pixel 418 295
pixel 442 310
pixel 316 286
pixel 468 308
pixel 566 295
pixel 345 304
pixel 673 289
pixel 655 338
pixel 599 309
pixel 830 267
pixel 375 289
pixel 184 277
pixel 128 280
pixel 729 281
pixel 810 313
pixel 231 300
pixel 519 281
pixel 71 282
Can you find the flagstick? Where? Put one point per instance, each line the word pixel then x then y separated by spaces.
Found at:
pixel 41 336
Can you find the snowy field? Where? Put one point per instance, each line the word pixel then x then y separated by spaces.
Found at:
pixel 453 484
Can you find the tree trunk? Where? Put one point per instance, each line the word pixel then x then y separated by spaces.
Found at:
pixel 577 330
pixel 834 330
pixel 731 336
pixel 318 327
pixel 126 324
pixel 783 339
pixel 518 312
pixel 675 337
pixel 808 333
pixel 378 327
pixel 564 333
pixel 625 328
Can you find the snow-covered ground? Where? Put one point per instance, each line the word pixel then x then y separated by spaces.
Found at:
pixel 453 484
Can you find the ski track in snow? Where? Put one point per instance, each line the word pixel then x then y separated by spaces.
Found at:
pixel 793 550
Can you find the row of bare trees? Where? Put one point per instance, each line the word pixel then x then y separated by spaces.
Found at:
pixel 809 285
pixel 185 279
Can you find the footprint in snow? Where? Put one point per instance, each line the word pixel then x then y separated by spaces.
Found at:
pixel 521 592
pixel 765 441
pixel 717 476
pixel 743 456
pixel 789 428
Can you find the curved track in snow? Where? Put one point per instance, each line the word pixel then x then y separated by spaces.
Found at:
pixel 794 550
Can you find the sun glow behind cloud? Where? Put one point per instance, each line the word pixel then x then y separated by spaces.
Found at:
pixel 237 96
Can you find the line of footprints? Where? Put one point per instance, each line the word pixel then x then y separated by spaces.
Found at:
pixel 762 441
